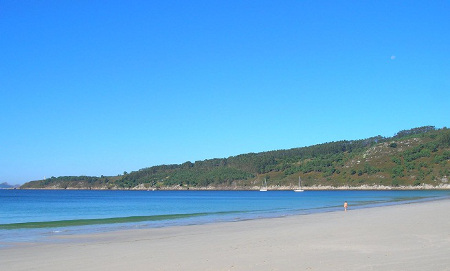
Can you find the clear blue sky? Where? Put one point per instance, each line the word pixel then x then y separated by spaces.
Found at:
pixel 102 87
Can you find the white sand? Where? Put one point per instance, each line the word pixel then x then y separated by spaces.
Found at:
pixel 404 237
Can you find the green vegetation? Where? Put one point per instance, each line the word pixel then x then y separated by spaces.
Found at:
pixel 411 157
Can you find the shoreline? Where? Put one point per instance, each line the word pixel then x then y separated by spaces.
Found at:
pixel 46 231
pixel 411 236
pixel 256 188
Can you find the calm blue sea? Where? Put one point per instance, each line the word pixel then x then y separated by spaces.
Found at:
pixel 33 215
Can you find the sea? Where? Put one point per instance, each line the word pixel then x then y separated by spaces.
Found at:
pixel 38 215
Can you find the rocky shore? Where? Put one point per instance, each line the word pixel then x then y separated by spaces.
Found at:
pixel 256 188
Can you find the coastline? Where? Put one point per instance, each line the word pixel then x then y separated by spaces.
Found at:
pixel 400 237
pixel 256 188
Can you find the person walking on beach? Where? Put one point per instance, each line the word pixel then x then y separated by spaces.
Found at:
pixel 345 206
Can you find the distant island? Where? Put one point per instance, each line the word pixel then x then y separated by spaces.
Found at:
pixel 8 186
pixel 412 159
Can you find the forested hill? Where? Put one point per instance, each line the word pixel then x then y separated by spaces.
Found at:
pixel 414 157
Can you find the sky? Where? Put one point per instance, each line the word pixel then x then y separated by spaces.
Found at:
pixel 102 87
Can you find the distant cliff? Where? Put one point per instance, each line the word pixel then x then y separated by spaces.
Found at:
pixel 415 158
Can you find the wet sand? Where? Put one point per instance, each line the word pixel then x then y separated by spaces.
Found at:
pixel 403 237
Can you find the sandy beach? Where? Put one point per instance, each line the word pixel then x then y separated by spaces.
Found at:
pixel 403 237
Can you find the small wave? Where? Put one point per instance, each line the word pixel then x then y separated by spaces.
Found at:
pixel 97 221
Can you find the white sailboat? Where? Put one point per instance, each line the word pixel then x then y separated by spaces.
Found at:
pixel 264 186
pixel 299 185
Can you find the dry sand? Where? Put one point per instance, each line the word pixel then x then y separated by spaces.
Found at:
pixel 403 237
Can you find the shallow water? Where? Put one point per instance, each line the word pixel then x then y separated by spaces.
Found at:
pixel 32 215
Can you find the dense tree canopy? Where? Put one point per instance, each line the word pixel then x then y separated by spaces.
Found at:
pixel 411 157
